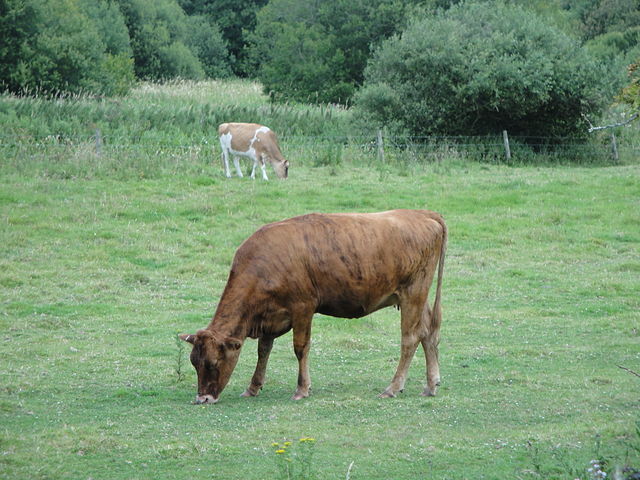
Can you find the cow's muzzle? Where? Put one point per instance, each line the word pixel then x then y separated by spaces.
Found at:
pixel 201 399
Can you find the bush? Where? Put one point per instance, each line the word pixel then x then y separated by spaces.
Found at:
pixel 207 43
pixel 53 46
pixel 163 39
pixel 318 51
pixel 480 68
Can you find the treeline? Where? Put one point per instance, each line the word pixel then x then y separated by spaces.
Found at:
pixel 415 66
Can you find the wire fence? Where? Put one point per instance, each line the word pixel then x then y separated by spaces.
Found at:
pixel 329 149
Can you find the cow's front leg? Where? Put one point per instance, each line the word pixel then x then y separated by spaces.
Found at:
pixel 263 166
pixel 236 162
pixel 301 345
pixel 265 344
pixel 225 161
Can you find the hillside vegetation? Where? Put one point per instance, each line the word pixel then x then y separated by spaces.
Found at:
pixel 536 69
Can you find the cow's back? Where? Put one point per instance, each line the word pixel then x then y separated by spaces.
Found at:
pixel 349 264
pixel 241 134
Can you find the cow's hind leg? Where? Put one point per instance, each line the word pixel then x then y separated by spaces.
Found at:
pixel 411 320
pixel 264 349
pixel 301 346
pixel 430 345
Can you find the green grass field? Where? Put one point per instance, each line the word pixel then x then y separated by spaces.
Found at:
pixel 541 306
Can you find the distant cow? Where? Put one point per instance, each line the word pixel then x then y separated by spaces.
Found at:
pixel 344 265
pixel 254 141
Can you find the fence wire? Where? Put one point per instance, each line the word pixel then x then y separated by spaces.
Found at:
pixel 482 147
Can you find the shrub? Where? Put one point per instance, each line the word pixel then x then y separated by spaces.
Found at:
pixel 55 46
pixel 317 51
pixel 480 68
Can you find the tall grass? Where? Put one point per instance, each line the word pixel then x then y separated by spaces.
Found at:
pixel 168 128
pixel 176 113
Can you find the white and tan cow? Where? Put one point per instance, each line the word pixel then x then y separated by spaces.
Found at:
pixel 254 141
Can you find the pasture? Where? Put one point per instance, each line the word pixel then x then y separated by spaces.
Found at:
pixel 99 272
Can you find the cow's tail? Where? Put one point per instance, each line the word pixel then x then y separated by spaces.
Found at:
pixel 436 317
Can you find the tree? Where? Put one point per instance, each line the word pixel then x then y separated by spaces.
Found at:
pixel 55 46
pixel 161 37
pixel 631 93
pixel 208 45
pixel 317 51
pixel 234 20
pixel 597 17
pixel 480 68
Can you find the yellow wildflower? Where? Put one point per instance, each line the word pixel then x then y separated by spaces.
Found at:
pixel 281 451
pixel 287 444
pixel 274 444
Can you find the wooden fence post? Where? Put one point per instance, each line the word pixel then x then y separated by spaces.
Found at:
pixel 380 147
pixel 507 150
pixel 614 148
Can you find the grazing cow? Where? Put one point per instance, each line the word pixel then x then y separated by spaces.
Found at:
pixel 255 141
pixel 344 265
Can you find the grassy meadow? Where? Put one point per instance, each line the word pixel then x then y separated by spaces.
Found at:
pixel 105 258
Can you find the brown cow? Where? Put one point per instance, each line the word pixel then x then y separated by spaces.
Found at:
pixel 344 265
pixel 257 142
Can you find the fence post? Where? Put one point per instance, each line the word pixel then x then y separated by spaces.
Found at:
pixel 380 147
pixel 507 150
pixel 98 142
pixel 614 148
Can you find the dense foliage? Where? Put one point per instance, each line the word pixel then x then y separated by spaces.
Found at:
pixel 317 51
pixel 168 44
pixel 57 45
pixel 477 70
pixel 235 20
pixel 101 46
pixel 631 93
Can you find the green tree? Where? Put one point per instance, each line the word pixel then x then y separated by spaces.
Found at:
pixel 109 22
pixel 317 51
pixel 160 35
pixel 54 46
pixel 208 45
pixel 598 17
pixel 480 68
pixel 235 20
pixel 631 93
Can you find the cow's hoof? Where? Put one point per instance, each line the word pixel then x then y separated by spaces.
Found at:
pixel 299 396
pixel 387 394
pixel 249 393
pixel 430 392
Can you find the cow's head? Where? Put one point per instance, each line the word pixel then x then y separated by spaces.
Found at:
pixel 214 359
pixel 282 168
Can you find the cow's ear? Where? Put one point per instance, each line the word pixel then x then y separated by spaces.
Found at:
pixel 187 337
pixel 232 343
